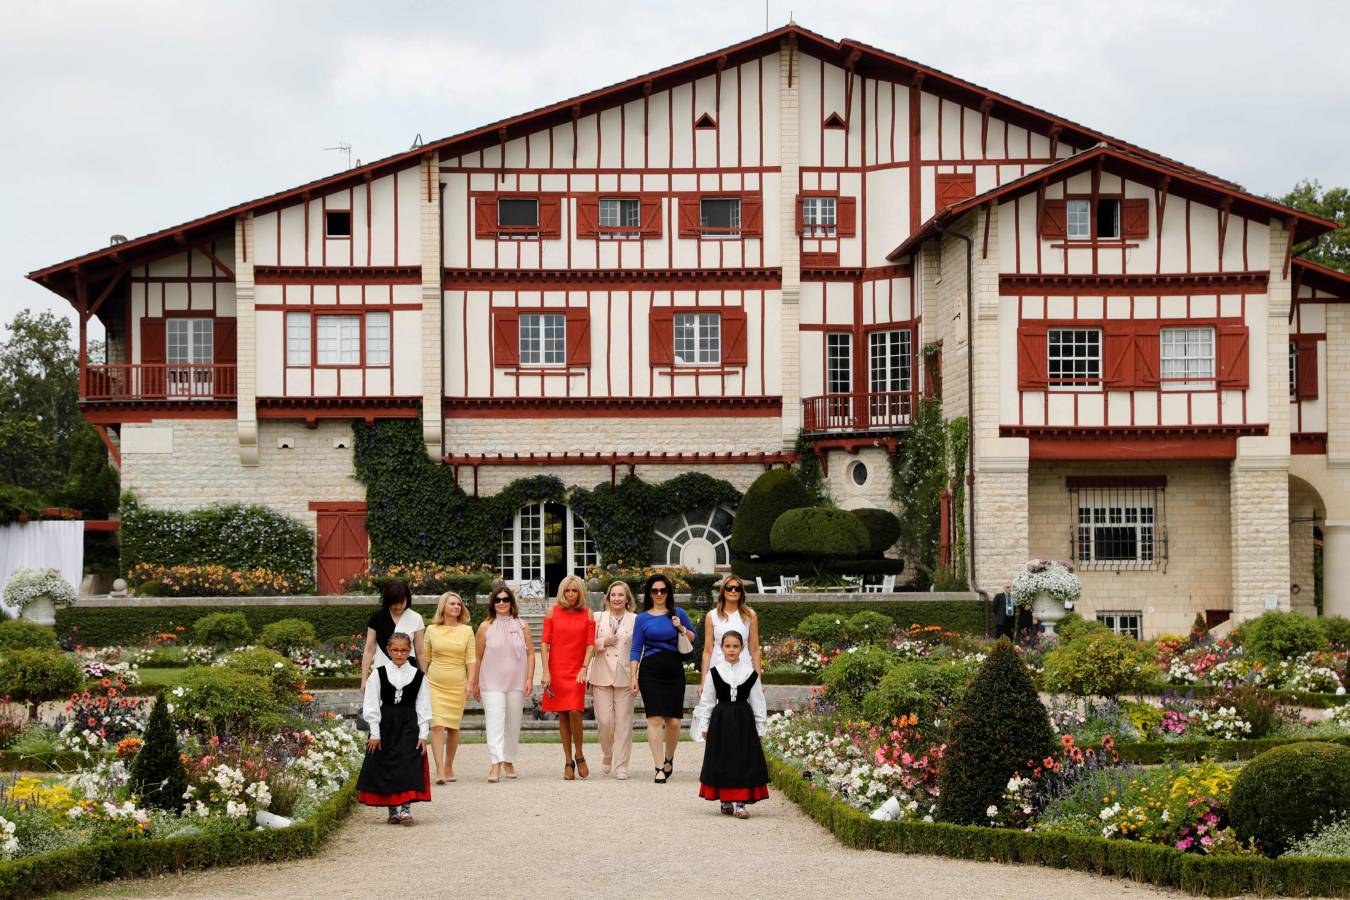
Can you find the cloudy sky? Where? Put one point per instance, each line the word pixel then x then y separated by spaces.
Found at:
pixel 131 116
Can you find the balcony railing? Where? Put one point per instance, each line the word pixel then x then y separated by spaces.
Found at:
pixel 880 411
pixel 158 381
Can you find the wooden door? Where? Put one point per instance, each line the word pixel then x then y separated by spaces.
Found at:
pixel 344 547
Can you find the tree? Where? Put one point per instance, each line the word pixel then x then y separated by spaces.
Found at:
pixel 157 774
pixel 1331 203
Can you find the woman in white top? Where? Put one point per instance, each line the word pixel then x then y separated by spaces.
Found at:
pixel 609 679
pixel 395 615
pixel 732 614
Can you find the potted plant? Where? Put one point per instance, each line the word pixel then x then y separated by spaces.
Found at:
pixel 1048 588
pixel 37 593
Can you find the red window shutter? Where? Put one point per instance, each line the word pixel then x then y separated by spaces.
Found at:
pixel 846 216
pixel 734 351
pixel 1233 353
pixel 953 188
pixel 485 216
pixel 506 337
pixel 1031 356
pixel 1054 219
pixel 690 216
pixel 752 215
pixel 223 336
pixel 1134 219
pixel 588 216
pixel 578 337
pixel 1306 368
pixel 801 227
pixel 1118 354
pixel 661 336
pixel 1147 355
pixel 550 217
pixel 650 215
pixel 152 341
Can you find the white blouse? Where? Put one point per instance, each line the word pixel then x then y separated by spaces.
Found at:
pixel 409 623
pixel 400 677
pixel 734 676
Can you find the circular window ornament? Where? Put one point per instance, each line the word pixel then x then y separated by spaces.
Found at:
pixel 858 473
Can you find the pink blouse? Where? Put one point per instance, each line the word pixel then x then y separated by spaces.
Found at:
pixel 502 668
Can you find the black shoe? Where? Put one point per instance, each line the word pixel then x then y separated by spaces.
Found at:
pixel 661 775
pixel 669 766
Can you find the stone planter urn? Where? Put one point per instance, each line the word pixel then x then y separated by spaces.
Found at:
pixel 1048 611
pixel 40 610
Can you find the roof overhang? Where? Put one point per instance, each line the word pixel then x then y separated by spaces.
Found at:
pixel 1315 275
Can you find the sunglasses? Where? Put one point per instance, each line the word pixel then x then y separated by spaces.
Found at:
pixel 657 590
pixel 501 599
pixel 732 589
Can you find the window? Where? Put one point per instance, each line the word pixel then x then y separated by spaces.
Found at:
pixel 337 223
pixel 1078 219
pixel 543 339
pixel 1108 534
pixel 818 217
pixel 1187 358
pixel 297 339
pixel 189 351
pixel 858 473
pixel 1079 214
pixel 1293 370
pixel 338 340
pixel 377 338
pixel 720 217
pixel 620 218
pixel 838 363
pixel 698 339
pixel 518 217
pixel 1108 219
pixel 890 361
pixel 1074 356
pixel 1127 623
pixel 1118 526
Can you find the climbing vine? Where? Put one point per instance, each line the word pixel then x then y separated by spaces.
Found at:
pixel 809 471
pixel 931 459
pixel 958 444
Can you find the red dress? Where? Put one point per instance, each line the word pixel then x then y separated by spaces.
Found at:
pixel 568 632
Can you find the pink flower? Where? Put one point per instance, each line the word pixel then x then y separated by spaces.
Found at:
pixel 1184 844
pixel 1206 840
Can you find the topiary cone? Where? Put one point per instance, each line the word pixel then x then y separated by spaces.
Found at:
pixel 998 728
pixel 157 773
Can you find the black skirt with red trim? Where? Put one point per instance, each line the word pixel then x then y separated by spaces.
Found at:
pixel 734 770
pixel 734 795
pixel 398 772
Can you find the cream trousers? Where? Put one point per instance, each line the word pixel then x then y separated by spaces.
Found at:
pixel 501 715
pixel 614 721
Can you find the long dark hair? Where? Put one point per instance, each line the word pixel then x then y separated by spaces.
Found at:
pixel 658 578
pixel 500 587
pixel 741 606
pixel 396 591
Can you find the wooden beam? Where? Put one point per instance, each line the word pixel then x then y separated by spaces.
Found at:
pixel 82 305
pixel 986 105
pixel 988 214
pixel 224 269
pixel 112 283
pixel 1054 139
pixel 107 442
pixel 1040 206
pixel 1225 208
pixel 1288 246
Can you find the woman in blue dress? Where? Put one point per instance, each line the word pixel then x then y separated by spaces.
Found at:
pixel 657 669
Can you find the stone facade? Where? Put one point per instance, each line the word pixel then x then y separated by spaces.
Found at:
pixel 614 434
pixel 1259 533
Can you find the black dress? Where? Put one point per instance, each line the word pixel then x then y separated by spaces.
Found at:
pixel 733 761
pixel 397 773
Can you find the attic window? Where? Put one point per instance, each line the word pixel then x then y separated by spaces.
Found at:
pixel 834 121
pixel 337 223
pixel 705 121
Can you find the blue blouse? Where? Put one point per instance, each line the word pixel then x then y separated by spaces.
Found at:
pixel 652 633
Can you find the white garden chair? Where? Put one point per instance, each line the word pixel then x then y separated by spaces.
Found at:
pixel 770 589
pixel 885 586
pixel 790 583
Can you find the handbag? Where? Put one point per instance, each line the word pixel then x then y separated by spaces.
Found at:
pixel 684 645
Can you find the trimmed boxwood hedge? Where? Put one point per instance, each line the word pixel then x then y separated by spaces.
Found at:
pixel 1155 752
pixel 777 620
pixel 48 873
pixel 1148 863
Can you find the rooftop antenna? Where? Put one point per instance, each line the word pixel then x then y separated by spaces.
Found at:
pixel 343 147
pixel 417 141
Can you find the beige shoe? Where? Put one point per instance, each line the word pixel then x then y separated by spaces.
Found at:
pixel 494 775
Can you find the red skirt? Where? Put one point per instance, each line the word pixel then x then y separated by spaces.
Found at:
pixel 420 794
pixel 734 794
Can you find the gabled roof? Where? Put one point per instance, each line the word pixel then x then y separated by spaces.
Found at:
pixel 1324 278
pixel 863 58
pixel 1136 168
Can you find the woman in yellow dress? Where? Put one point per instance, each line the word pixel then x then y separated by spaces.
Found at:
pixel 452 666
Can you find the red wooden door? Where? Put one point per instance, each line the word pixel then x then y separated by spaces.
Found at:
pixel 344 548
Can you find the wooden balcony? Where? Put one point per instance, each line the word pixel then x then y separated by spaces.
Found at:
pixel 157 381
pixel 863 412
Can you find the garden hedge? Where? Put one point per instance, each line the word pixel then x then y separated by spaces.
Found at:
pixel 48 873
pixel 777 620
pixel 1149 753
pixel 1147 863
pixel 1297 698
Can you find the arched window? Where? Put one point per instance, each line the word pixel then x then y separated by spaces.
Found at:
pixel 697 540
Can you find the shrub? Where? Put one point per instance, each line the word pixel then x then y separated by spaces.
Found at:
pixel 772 494
pixel 157 774
pixel 288 635
pixel 868 627
pixel 211 580
pixel 18 503
pixel 20 634
pixel 1073 626
pixel 851 675
pixel 883 528
pixel 1279 796
pixel 1100 664
pixel 1329 840
pixel 920 687
pixel 224 701
pixel 1281 635
pixel 822 628
pixel 280 673
pixel 997 729
pixel 1256 707
pixel 819 533
pixel 32 676
pixel 865 566
pixel 222 629
pixel 1337 629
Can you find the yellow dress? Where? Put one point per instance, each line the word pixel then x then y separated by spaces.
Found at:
pixel 450 652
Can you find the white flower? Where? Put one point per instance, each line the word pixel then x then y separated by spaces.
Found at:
pixel 992 811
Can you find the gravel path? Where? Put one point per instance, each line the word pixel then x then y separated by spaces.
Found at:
pixel 543 837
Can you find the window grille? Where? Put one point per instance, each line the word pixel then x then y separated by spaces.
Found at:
pixel 1079 214
pixel 1118 524
pixel 720 217
pixel 543 339
pixel 698 339
pixel 1127 623
pixel 1074 356
pixel 1187 358
pixel 620 218
pixel 377 338
pixel 1293 370
pixel 818 217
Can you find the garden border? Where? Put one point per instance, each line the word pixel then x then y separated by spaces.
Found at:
pixel 47 873
pixel 1148 753
pixel 1146 863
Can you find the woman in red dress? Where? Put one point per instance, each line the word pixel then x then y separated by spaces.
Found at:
pixel 565 650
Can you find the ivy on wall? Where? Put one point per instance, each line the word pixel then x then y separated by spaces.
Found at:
pixel 809 470
pixel 931 459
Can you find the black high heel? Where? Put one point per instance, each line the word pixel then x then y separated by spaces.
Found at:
pixel 668 767
pixel 661 775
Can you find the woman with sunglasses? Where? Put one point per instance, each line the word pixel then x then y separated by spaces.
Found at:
pixel 656 668
pixel 505 677
pixel 732 614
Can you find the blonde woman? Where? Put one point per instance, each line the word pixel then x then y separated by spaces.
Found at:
pixel 565 653
pixel 452 666
pixel 609 679
pixel 505 677
pixel 731 614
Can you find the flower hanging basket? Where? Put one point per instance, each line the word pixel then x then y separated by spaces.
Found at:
pixel 38 593
pixel 1053 580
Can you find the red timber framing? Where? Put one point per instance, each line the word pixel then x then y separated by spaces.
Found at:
pixel 612 279
pixel 343 545
pixel 1191 442
pixel 311 409
pixel 307 275
pixel 614 461
pixel 626 407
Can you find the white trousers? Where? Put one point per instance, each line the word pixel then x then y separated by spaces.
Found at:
pixel 614 721
pixel 501 715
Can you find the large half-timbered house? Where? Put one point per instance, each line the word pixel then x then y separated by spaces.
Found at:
pixel 792 236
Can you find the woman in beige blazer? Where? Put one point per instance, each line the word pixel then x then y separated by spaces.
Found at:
pixel 609 678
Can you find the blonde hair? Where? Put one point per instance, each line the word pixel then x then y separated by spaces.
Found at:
pixel 631 604
pixel 439 618
pixel 572 581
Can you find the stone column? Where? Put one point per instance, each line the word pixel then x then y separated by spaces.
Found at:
pixel 246 336
pixel 1001 519
pixel 433 387
pixel 789 155
pixel 1336 569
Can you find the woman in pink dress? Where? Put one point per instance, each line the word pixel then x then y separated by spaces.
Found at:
pixel 505 677
pixel 565 651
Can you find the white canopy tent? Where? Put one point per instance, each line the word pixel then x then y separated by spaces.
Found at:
pixel 55 545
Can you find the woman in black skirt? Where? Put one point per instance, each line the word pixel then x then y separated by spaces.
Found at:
pixel 657 669
pixel 397 706
pixel 730 716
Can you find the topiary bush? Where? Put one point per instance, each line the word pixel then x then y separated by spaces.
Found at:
pixel 822 628
pixel 999 728
pixel 850 676
pixel 868 627
pixel 772 494
pixel 281 674
pixel 1281 635
pixel 818 533
pixel 288 636
pixel 224 701
pixel 1337 630
pixel 924 688
pixel 1100 664
pixel 34 676
pixel 1282 794
pixel 157 773
pixel 21 634
pixel 222 629
pixel 883 528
